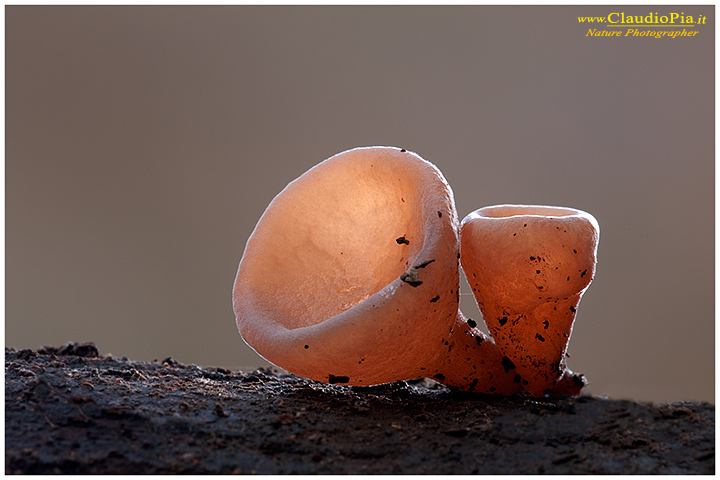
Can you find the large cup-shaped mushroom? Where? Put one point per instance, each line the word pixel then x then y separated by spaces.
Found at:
pixel 351 274
pixel 528 267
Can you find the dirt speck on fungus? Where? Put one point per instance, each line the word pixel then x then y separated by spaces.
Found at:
pixel 411 277
pixel 507 364
pixel 338 379
pixel 79 412
pixel 425 263
pixel 402 240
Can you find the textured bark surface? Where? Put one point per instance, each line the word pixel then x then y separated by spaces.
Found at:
pixel 70 411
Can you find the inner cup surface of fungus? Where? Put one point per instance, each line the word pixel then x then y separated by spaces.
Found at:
pixel 528 267
pixel 351 276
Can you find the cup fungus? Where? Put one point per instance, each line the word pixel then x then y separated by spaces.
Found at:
pixel 528 267
pixel 351 276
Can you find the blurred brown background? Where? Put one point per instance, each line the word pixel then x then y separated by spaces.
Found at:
pixel 143 144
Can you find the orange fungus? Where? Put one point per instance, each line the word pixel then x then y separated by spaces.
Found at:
pixel 351 276
pixel 528 266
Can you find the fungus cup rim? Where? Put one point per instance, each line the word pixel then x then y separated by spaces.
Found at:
pixel 508 210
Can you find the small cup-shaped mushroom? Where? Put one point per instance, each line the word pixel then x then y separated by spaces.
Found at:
pixel 351 273
pixel 528 267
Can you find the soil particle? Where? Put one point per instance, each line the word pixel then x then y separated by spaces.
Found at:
pixel 412 278
pixel 507 364
pixel 424 264
pixel 338 379
pixel 71 411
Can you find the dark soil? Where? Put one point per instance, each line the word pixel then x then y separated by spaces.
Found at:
pixel 70 411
